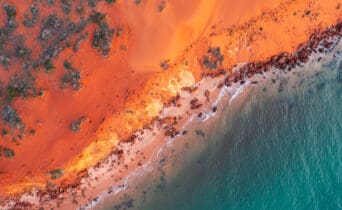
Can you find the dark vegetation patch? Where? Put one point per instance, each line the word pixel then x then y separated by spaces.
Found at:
pixel 56 173
pixel 103 35
pixel 10 117
pixel 102 38
pixel 213 58
pixel 10 44
pixel 92 3
pixel 71 77
pixel 76 125
pixel 31 20
pixel 20 87
pixel 22 52
pixel 49 66
pixel 165 65
pixel 50 2
pixel 162 6
pixel 78 41
pixel 6 152
pixel 66 6
pixel 11 13
pixel 4 132
pixel 80 9
pixel 55 33
pixel 97 17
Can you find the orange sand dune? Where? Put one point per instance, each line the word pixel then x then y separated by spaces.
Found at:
pixel 156 49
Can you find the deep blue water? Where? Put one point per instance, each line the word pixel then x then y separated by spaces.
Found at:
pixel 281 151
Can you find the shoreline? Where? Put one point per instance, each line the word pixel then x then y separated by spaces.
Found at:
pixel 168 125
pixel 224 101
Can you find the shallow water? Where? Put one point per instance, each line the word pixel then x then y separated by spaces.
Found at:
pixel 282 150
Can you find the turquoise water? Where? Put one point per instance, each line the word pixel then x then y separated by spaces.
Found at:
pixel 281 151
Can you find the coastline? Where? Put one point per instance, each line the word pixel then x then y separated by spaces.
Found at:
pixel 197 44
pixel 193 104
pixel 207 124
pixel 246 159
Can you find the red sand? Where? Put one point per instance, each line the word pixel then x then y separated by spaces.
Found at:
pixel 125 90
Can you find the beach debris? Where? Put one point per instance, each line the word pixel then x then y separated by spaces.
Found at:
pixel 195 104
pixel 23 205
pixel 171 132
pixel 131 139
pixel 162 161
pixel 173 101
pixel 214 109
pixel 206 94
pixel 190 89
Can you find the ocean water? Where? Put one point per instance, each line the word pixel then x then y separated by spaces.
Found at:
pixel 281 150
